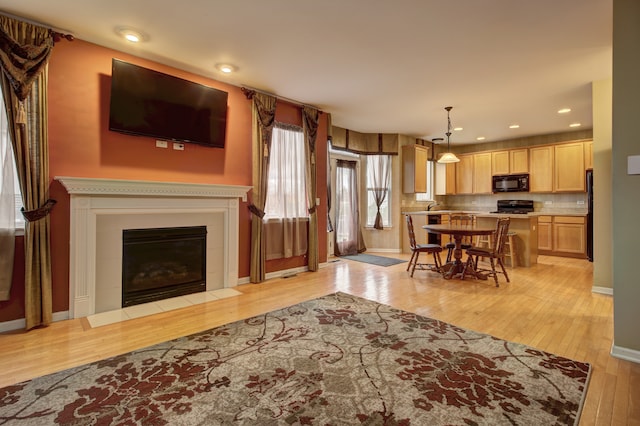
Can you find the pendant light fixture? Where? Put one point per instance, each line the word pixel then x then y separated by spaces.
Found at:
pixel 448 157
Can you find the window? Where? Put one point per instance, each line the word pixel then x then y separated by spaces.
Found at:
pixel 378 180
pixel 287 190
pixel 428 196
pixel 8 173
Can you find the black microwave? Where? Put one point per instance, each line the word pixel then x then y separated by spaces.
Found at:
pixel 511 183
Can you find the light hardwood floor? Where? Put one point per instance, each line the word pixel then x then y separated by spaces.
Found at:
pixel 549 306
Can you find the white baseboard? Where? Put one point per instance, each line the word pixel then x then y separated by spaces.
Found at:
pixel 21 323
pixel 383 250
pixel 602 290
pixel 625 353
pixel 284 272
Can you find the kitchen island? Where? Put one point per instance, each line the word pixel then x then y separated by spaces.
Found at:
pixel 524 225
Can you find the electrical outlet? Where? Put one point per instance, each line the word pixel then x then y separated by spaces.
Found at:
pixel 161 144
pixel 178 146
pixel 474 202
pixel 580 202
pixel 547 203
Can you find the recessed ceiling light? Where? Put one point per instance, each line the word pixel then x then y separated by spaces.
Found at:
pixel 457 129
pixel 564 110
pixel 130 34
pixel 514 126
pixel 226 68
pixel 575 125
pixel 480 138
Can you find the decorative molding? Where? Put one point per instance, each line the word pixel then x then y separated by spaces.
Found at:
pixel 93 186
pixel 608 291
pixel 625 353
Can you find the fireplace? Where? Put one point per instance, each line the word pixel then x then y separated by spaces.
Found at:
pixel 160 263
pixel 101 209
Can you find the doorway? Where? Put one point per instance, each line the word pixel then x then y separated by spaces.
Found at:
pixel 348 238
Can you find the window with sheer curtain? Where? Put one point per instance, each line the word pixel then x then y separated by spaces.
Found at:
pixel 10 199
pixel 286 210
pixel 378 189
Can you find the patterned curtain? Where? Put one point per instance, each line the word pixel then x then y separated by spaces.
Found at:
pixel 310 128
pixel 263 113
pixel 25 49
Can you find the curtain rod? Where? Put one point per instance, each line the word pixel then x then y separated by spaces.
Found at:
pixel 249 91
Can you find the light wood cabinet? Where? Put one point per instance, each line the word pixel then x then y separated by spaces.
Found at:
pixel 500 162
pixel 445 178
pixel 464 174
pixel 562 235
pixel 512 161
pixel 568 167
pixel 588 155
pixel 482 173
pixel 545 240
pixel 541 169
pixel 414 168
pixel 519 161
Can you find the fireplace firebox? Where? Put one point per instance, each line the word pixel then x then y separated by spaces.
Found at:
pixel 160 263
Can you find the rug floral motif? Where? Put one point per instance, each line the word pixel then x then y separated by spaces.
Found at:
pixel 338 360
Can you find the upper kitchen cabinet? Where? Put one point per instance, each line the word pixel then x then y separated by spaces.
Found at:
pixel 514 161
pixel 464 174
pixel 445 178
pixel 569 168
pixel 588 155
pixel 414 168
pixel 482 173
pixel 541 169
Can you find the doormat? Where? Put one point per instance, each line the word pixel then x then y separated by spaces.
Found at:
pixel 374 260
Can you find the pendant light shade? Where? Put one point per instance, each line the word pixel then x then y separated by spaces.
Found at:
pixel 448 157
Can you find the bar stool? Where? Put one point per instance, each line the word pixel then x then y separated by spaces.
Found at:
pixel 509 249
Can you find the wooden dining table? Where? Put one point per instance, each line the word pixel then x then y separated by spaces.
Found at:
pixel 455 267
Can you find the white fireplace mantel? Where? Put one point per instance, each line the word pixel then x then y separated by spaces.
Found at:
pixel 95 200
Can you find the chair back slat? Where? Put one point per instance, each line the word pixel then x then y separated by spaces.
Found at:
pixel 412 235
pixel 463 220
pixel 500 236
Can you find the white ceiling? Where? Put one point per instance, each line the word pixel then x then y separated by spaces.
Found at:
pixel 387 66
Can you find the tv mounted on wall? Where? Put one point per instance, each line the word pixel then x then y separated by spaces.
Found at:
pixel 145 102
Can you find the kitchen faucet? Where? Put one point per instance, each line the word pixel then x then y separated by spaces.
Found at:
pixel 430 206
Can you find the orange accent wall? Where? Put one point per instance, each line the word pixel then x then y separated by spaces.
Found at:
pixel 81 145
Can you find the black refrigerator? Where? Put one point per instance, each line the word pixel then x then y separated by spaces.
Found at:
pixel 590 215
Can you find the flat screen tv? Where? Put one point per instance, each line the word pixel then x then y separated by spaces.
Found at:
pixel 149 103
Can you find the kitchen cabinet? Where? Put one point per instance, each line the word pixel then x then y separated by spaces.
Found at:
pixel 568 168
pixel 562 235
pixel 588 155
pixel 445 179
pixel 464 174
pixel 482 173
pixel 513 161
pixel 541 169
pixel 414 168
pixel 545 239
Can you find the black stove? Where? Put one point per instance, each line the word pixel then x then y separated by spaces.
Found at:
pixel 514 206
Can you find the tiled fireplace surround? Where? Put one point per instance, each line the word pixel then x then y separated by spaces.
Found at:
pixel 102 208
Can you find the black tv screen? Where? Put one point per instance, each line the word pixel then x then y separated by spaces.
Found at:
pixel 149 103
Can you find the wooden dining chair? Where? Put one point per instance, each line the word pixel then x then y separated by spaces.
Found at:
pixel 416 249
pixel 494 252
pixel 467 241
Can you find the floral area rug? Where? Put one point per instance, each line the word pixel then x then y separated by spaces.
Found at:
pixel 338 360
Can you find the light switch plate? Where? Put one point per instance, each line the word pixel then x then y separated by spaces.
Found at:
pixel 633 165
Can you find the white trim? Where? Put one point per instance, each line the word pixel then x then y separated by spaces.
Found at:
pixel 78 186
pixel 625 353
pixel 21 323
pixel 383 250
pixel 602 290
